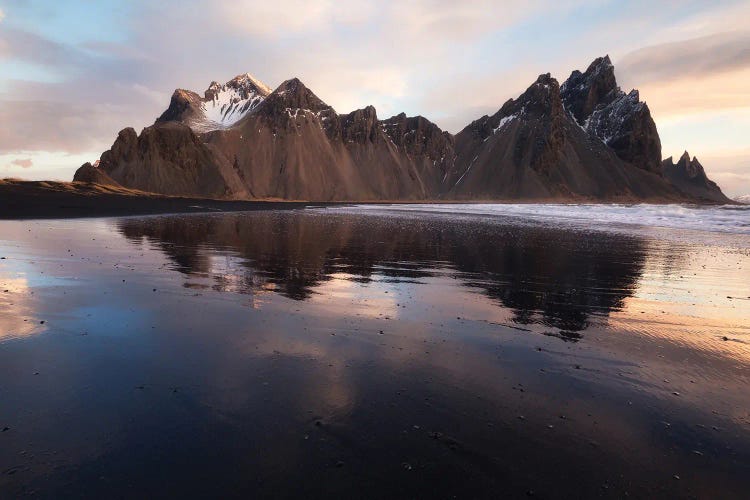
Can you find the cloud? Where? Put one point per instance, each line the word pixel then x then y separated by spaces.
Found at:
pixel 45 165
pixel 290 17
pixel 2 15
pixel 714 17
pixel 698 95
pixel 40 125
pixel 710 93
pixel 730 169
pixel 35 49
pixel 443 20
pixel 22 162
pixel 697 57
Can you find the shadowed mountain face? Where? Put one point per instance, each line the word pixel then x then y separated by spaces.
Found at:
pixel 690 178
pixel 545 277
pixel 584 140
pixel 619 120
pixel 90 174
pixel 532 148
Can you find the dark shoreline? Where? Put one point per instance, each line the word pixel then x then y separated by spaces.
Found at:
pixel 63 200
pixel 42 200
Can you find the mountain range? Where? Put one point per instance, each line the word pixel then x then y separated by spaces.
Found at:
pixel 584 140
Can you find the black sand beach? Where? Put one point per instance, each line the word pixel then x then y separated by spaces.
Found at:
pixel 56 200
pixel 325 353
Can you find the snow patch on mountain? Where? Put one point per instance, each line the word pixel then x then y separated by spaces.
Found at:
pixel 224 105
pixel 606 122
pixel 228 106
pixel 505 120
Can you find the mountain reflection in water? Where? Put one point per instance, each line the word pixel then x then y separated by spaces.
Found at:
pixel 548 277
pixel 347 354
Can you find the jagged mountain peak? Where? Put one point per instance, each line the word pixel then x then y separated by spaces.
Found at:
pixel 225 105
pixel 242 87
pixel 583 92
pixel 221 106
pixel 544 86
pixel 290 95
pixel 599 65
pixel 292 86
pixel 545 79
pixel 246 80
pixel 691 167
pixel 541 97
pixel 605 112
pixel 537 97
pixel 360 125
pixel 418 136
pixel 689 176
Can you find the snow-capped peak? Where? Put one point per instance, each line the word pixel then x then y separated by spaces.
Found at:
pixel 247 78
pixel 224 105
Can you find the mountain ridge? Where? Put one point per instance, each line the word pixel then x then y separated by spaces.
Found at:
pixel 690 177
pixel 583 140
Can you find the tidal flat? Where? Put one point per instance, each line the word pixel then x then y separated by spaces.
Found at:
pixel 359 352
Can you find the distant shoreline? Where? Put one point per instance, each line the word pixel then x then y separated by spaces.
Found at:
pixel 59 200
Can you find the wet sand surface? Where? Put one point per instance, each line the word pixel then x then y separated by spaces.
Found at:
pixel 333 353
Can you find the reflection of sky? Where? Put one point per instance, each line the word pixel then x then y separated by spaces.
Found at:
pixel 375 299
pixel 701 287
pixel 693 296
pixel 137 348
pixel 16 311
pixel 688 295
pixel 67 273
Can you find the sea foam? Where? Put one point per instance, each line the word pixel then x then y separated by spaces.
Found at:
pixel 725 218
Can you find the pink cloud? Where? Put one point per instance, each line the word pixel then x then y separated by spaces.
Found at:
pixel 22 162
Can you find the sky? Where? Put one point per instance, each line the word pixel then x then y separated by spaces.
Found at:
pixel 75 72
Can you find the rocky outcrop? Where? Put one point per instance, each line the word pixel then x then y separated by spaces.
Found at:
pixel 169 158
pixel 619 120
pixel 584 92
pixel 360 126
pixel 690 178
pixel 417 136
pixel 185 106
pixel 584 140
pixel 93 175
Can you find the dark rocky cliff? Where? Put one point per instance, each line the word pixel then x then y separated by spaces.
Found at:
pixel 619 120
pixel 690 178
